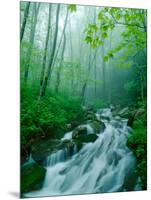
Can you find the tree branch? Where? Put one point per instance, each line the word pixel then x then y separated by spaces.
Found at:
pixel 126 24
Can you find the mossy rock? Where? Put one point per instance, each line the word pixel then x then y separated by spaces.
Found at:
pixel 80 130
pixel 74 124
pixel 97 126
pixel 90 116
pixel 105 118
pixel 81 139
pixel 86 138
pixel 32 177
pixel 43 148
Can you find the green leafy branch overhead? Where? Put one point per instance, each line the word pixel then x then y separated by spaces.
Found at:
pixel 133 34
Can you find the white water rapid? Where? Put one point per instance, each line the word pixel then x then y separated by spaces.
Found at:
pixel 107 165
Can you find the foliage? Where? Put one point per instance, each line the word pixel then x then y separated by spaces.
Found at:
pixel 134 26
pixel 72 8
pixel 32 177
pixel 47 117
pixel 98 103
pixel 138 143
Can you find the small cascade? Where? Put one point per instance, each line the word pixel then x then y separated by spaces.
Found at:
pixel 59 156
pixel 67 136
pixel 106 165
pixel 29 161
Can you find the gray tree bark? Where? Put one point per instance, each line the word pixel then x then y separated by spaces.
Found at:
pixel 47 75
pixel 31 39
pixel 26 13
pixel 46 47
pixel 60 65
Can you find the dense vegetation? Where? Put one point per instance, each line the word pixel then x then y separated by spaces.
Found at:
pixel 138 143
pixel 76 56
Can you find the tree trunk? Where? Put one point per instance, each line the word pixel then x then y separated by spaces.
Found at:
pixel 71 56
pixel 110 74
pixel 24 21
pixel 95 67
pixel 46 47
pixel 95 77
pixel 60 64
pixel 62 36
pixel 44 85
pixel 142 85
pixel 91 61
pixel 31 39
pixel 103 73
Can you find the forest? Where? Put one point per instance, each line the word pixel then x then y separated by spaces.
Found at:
pixel 82 69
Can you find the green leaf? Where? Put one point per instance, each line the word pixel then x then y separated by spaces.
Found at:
pixel 106 58
pixel 104 35
pixel 88 39
pixel 72 8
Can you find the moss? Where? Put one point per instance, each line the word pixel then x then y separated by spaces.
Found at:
pixel 84 139
pixel 79 131
pixel 32 177
pixel 97 126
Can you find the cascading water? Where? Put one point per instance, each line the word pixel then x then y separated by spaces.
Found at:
pixel 107 165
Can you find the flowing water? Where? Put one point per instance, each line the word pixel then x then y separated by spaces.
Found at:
pixel 107 165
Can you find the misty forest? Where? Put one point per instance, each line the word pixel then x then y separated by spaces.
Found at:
pixel 83 73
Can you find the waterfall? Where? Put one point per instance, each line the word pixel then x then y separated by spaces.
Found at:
pixel 106 165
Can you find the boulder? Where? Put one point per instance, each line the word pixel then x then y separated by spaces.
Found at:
pixel 80 130
pixel 74 124
pixel 86 138
pixel 124 113
pixel 105 117
pixel 134 115
pixel 81 139
pixel 97 126
pixel 32 177
pixel 90 117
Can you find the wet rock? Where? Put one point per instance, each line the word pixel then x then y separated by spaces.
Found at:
pixel 86 138
pixel 74 124
pixel 104 118
pixel 125 112
pixel 97 126
pixel 66 141
pixel 81 139
pixel 134 115
pixel 80 130
pixel 90 117
pixel 32 177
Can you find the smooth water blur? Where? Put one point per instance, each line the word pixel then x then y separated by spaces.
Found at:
pixel 107 165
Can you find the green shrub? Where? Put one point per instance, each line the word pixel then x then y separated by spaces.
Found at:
pixel 138 143
pixel 48 116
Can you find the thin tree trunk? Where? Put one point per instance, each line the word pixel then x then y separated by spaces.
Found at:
pixel 60 65
pixel 110 73
pixel 95 77
pixel 91 61
pixel 44 85
pixel 71 56
pixel 142 85
pixel 95 70
pixel 103 73
pixel 46 47
pixel 31 39
pixel 62 36
pixel 26 13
